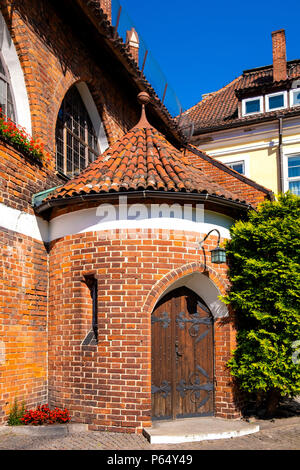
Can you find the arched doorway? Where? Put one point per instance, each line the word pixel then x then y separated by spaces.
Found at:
pixel 182 356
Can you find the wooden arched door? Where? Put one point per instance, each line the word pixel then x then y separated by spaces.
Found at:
pixel 182 356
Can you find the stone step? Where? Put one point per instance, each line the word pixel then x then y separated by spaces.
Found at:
pixel 197 429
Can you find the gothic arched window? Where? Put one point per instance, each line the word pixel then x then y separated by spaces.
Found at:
pixel 6 96
pixel 76 140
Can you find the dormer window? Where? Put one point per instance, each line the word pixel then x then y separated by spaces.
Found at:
pixel 252 106
pixel 276 101
pixel 295 97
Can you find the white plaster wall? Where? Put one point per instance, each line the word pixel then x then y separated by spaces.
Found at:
pixel 103 218
pixel 21 222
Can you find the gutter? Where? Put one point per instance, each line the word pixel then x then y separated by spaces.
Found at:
pixel 280 156
pixel 38 197
pixel 184 197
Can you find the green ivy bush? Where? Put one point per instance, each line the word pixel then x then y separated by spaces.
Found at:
pixel 264 269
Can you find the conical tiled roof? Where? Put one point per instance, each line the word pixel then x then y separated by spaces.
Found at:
pixel 141 160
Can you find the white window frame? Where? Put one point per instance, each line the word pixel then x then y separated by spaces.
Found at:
pixel 270 95
pixel 286 178
pixel 239 159
pixel 239 162
pixel 297 90
pixel 247 100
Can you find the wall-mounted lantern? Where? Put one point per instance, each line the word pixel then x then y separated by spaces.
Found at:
pixel 218 254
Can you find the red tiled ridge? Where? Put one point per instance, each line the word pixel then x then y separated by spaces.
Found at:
pixel 141 160
pixel 220 108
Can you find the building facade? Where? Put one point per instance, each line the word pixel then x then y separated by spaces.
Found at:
pixel 253 123
pixel 109 306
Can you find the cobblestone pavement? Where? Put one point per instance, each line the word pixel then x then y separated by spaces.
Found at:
pixel 283 434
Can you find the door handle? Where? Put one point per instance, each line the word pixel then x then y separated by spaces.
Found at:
pixel 178 354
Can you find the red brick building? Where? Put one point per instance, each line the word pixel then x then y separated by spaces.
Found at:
pixel 109 306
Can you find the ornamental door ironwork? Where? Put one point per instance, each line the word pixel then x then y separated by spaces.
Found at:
pixel 182 356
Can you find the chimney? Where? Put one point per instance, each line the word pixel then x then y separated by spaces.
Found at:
pixel 279 55
pixel 132 40
pixel 106 7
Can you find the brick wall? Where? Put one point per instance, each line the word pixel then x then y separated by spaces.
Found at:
pixel 23 321
pixel 53 58
pixel 109 385
pixel 23 285
pixel 21 177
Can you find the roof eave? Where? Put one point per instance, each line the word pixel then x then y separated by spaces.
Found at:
pixel 241 123
pixel 240 206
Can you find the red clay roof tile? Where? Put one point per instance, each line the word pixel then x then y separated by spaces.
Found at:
pixel 141 160
pixel 220 108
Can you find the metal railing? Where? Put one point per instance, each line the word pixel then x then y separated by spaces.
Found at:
pixel 146 61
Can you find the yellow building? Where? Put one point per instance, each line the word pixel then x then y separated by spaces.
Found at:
pixel 253 123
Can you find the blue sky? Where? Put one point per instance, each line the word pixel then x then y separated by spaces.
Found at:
pixel 201 46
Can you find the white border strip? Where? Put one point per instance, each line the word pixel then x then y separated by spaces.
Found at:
pixel 87 220
pixel 26 224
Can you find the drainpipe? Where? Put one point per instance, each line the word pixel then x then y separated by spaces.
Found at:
pixel 280 157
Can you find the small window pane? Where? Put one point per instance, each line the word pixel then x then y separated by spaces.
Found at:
pixel 76 157
pixel 294 187
pixel 296 97
pixel 10 105
pixel 276 102
pixel 6 98
pixel 10 111
pixel 82 157
pixel 294 166
pixel 252 106
pixel 2 69
pixel 59 149
pixel 3 85
pixel 238 166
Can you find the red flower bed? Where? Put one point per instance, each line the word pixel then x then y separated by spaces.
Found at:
pixel 43 415
pixel 18 137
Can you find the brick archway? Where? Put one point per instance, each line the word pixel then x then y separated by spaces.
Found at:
pixel 180 273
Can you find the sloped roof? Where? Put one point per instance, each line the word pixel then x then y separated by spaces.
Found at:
pixel 121 50
pixel 141 160
pixel 220 109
